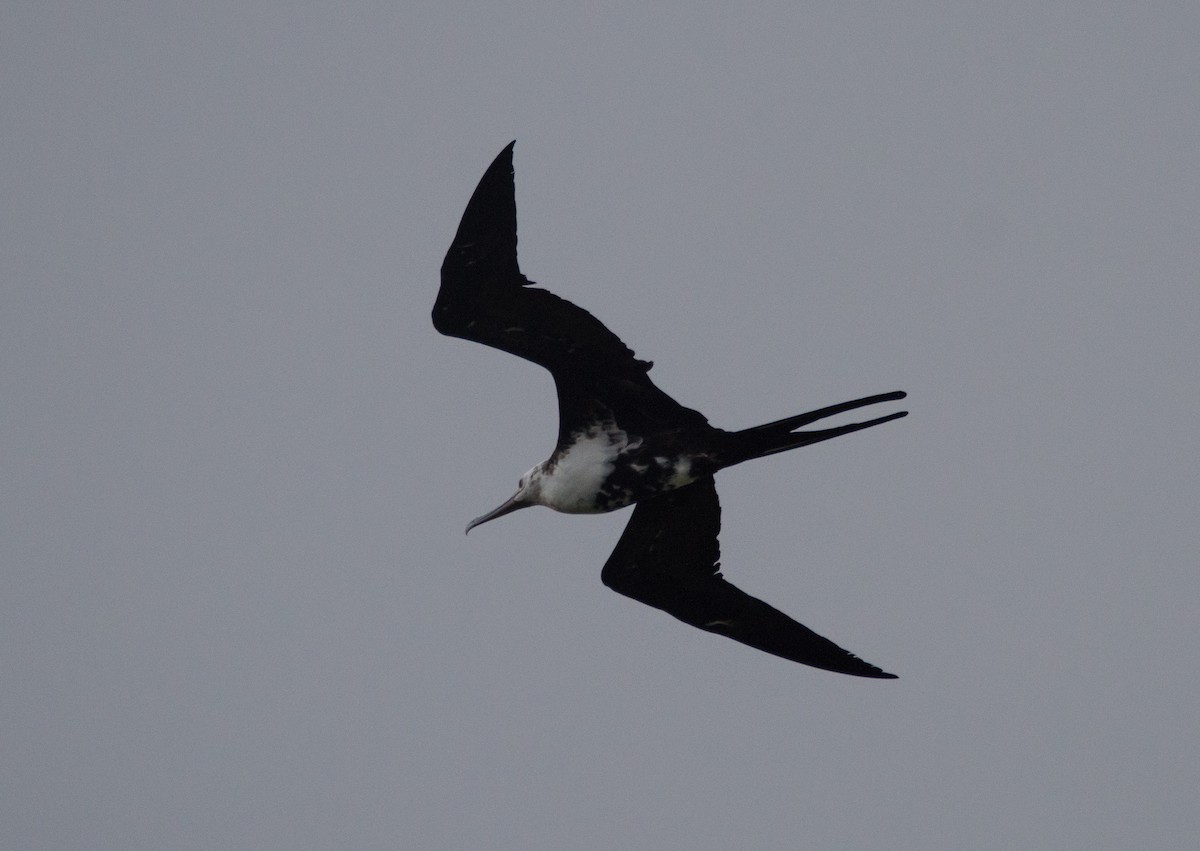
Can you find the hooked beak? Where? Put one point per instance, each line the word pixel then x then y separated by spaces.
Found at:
pixel 510 505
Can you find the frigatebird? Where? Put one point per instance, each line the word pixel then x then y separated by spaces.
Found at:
pixel 621 440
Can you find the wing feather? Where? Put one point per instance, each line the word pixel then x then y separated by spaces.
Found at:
pixel 485 298
pixel 668 558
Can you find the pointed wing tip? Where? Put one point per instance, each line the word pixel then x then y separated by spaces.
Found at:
pixel 853 667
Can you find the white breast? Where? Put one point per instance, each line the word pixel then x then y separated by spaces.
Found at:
pixel 580 472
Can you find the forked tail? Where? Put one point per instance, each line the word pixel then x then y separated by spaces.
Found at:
pixel 781 435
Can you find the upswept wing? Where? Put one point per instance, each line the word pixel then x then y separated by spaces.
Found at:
pixel 485 298
pixel 668 558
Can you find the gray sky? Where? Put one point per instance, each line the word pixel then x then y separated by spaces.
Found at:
pixel 237 607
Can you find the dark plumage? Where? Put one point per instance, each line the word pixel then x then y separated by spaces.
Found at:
pixel 621 440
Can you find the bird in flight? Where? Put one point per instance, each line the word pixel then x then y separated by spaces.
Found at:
pixel 622 441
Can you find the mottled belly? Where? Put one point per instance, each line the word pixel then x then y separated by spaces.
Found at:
pixel 604 469
pixel 634 479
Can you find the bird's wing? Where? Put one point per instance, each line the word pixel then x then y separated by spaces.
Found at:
pixel 668 558
pixel 485 298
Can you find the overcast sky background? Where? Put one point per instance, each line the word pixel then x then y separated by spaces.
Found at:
pixel 237 607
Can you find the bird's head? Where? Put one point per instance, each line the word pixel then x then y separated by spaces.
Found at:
pixel 529 492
